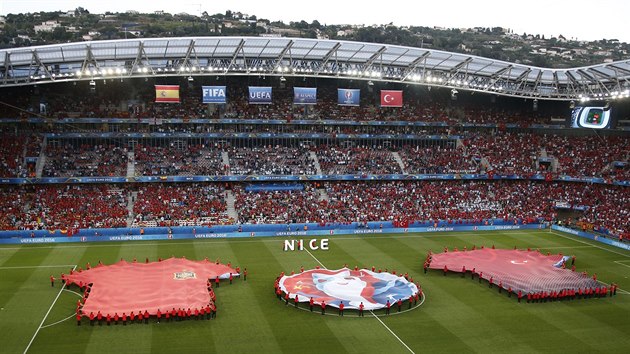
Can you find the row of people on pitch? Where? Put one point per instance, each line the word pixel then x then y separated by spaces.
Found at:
pixel 208 312
pixel 286 296
pixel 541 295
pixel 570 294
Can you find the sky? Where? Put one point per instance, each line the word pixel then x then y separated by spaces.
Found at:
pixel 577 19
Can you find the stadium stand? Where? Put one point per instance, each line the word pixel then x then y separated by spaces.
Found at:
pixel 179 205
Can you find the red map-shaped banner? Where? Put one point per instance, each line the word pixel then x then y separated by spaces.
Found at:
pixel 172 283
pixel 527 271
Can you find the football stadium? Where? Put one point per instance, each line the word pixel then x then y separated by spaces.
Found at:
pixel 240 194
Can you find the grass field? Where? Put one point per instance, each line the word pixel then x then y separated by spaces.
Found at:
pixel 459 315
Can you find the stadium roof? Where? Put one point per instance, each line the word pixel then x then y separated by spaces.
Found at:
pixel 278 56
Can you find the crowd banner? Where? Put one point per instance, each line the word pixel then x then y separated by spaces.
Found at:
pixel 305 95
pixel 289 178
pixel 259 95
pixel 239 231
pixel 348 97
pixel 214 94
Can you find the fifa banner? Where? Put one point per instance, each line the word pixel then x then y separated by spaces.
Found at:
pixel 305 95
pixel 259 95
pixel 213 94
pixel 167 93
pixel 348 97
pixel 391 98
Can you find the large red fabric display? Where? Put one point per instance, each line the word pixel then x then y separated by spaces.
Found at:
pixel 125 287
pixel 528 271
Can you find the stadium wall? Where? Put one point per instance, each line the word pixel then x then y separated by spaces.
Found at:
pixel 593 237
pixel 182 233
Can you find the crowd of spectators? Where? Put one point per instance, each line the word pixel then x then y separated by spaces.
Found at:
pixel 406 203
pixel 271 160
pixel 588 156
pixel 279 207
pixel 507 153
pixel 179 205
pixel 11 150
pixel 86 160
pixel 184 160
pixel 437 159
pixel 67 207
pixel 356 160
pixel 497 152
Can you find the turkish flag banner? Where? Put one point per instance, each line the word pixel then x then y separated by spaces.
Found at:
pixel 391 98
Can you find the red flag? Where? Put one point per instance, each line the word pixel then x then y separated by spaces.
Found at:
pixel 167 93
pixel 390 98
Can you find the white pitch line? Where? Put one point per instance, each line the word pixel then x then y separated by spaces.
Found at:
pixel 41 266
pixel 74 292
pixel 590 244
pixel 392 332
pixel 67 318
pixel 621 263
pixel 45 316
pixel 383 323
pixel 316 260
pixel 58 322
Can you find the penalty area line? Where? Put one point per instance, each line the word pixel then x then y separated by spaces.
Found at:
pixel 373 314
pixel 46 316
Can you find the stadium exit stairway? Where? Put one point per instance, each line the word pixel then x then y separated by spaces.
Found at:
pixel 131 165
pixel 131 200
pixel 315 160
pixel 231 209
pixel 399 161
pixel 41 160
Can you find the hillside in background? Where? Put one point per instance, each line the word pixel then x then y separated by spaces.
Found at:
pixel 19 30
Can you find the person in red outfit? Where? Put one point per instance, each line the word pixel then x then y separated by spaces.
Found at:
pixel 341 307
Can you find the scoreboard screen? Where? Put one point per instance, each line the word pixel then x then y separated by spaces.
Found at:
pixel 590 117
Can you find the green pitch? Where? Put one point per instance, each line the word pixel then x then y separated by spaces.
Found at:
pixel 459 315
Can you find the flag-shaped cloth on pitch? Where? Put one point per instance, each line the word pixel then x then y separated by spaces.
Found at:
pixel 391 98
pixel 167 93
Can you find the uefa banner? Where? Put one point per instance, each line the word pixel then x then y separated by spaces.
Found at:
pixel 259 95
pixel 305 95
pixel 348 97
pixel 213 94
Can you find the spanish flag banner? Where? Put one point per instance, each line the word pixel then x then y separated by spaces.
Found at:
pixel 167 93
